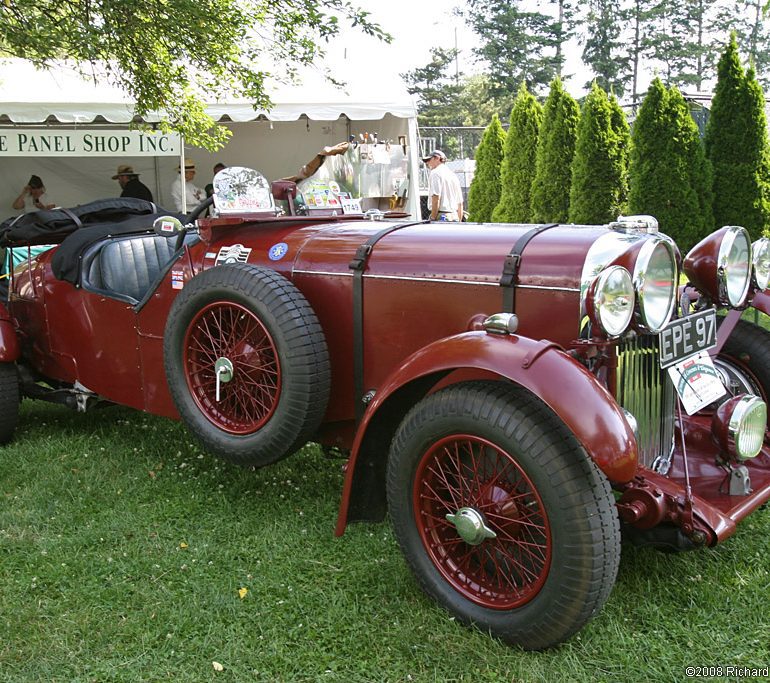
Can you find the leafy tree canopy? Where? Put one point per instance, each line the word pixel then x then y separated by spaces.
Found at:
pixel 170 54
pixel 520 44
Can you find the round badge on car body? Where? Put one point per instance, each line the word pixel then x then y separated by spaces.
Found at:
pixel 278 251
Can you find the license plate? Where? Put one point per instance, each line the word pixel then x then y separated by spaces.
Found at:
pixel 685 337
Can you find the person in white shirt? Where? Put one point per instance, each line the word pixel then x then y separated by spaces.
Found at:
pixel 446 197
pixel 193 194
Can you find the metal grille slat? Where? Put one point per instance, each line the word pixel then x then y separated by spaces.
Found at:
pixel 648 394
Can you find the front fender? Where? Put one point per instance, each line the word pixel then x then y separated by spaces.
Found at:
pixel 587 409
pixel 761 301
pixel 9 340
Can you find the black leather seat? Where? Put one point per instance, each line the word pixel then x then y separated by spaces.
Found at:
pixel 128 267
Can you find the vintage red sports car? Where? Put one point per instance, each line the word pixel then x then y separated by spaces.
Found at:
pixel 512 395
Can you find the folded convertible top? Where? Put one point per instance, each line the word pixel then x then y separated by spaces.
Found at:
pixel 51 227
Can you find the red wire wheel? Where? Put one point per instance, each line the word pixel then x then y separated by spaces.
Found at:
pixel 248 334
pixel 471 474
pixel 501 514
pixel 249 395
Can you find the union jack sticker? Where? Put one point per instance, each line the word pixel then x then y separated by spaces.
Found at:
pixel 177 279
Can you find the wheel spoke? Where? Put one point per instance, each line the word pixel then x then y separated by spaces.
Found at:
pixel 249 398
pixel 469 474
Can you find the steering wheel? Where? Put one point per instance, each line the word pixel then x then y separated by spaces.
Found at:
pixel 198 210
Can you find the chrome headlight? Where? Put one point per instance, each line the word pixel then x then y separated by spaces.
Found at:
pixel 655 279
pixel 761 261
pixel 734 266
pixel 720 266
pixel 739 425
pixel 610 302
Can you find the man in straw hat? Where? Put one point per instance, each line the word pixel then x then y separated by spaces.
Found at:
pixel 193 194
pixel 132 186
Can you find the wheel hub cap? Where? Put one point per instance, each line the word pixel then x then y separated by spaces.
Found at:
pixel 470 526
pixel 224 369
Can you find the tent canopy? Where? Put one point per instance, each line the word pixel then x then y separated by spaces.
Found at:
pixel 303 119
pixel 64 96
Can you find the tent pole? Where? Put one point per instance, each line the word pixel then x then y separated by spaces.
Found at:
pixel 156 165
pixel 182 177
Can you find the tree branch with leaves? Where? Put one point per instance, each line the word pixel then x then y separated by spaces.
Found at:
pixel 171 56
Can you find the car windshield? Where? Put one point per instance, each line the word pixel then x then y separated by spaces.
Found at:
pixel 238 190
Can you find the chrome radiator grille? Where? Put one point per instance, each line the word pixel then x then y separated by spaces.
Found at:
pixel 648 394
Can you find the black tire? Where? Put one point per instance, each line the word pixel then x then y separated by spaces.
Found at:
pixel 497 451
pixel 745 359
pixel 264 327
pixel 9 401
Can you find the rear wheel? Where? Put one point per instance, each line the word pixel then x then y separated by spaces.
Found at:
pixel 501 515
pixel 9 401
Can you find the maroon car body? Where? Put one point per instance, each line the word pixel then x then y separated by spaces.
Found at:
pixel 495 442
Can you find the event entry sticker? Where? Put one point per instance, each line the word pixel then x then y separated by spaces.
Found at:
pixel 697 382
pixel 278 251
pixel 350 205
pixel 234 253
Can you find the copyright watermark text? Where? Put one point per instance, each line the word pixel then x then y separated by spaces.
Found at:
pixel 727 671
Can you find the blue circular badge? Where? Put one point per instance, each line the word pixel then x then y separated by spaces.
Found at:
pixel 278 251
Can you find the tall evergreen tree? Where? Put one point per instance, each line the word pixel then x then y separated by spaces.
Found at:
pixel 484 193
pixel 599 173
pixel 518 166
pixel 563 27
pixel 436 89
pixel 555 151
pixel 736 145
pixel 620 144
pixel 605 51
pixel 669 175
pixel 678 38
pixel 520 44
pixel 754 34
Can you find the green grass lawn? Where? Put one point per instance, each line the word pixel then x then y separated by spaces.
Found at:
pixel 123 549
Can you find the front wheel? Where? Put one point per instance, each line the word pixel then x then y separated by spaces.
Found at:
pixel 744 360
pixel 501 514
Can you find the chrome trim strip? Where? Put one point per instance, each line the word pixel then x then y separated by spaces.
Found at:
pixel 375 276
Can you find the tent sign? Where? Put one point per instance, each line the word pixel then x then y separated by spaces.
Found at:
pixel 56 142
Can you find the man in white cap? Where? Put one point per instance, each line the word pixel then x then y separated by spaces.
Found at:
pixel 446 197
pixel 194 195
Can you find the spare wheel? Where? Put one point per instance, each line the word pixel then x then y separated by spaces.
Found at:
pixel 246 363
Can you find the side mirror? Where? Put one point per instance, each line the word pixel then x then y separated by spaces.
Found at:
pixel 167 226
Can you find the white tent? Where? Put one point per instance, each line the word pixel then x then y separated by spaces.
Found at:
pixel 37 109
